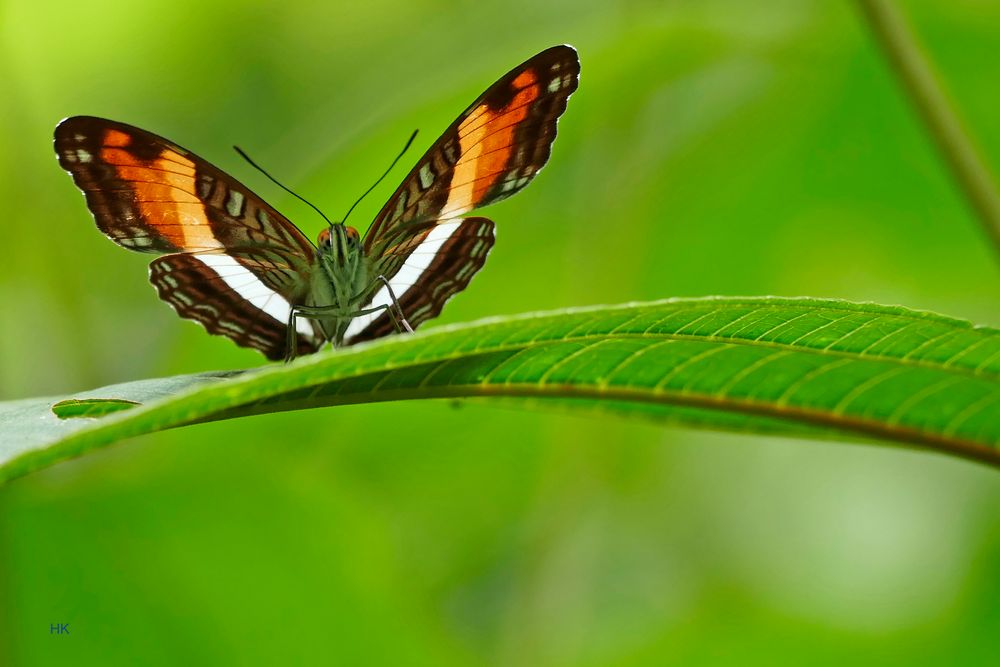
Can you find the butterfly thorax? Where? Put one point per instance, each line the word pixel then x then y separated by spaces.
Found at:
pixel 345 277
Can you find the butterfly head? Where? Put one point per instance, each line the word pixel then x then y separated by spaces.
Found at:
pixel 338 241
pixel 342 258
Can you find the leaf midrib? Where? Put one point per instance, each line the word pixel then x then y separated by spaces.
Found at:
pixel 659 396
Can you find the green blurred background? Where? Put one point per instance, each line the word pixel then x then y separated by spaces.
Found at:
pixel 729 148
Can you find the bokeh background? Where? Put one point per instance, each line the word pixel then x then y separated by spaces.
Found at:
pixel 718 147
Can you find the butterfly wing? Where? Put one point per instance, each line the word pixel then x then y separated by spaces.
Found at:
pixel 491 151
pixel 217 291
pixel 236 261
pixel 427 269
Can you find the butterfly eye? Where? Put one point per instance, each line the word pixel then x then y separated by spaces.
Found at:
pixel 324 238
pixel 352 234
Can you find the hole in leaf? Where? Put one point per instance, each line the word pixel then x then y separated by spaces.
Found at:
pixel 73 408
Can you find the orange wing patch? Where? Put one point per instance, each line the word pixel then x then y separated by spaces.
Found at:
pixel 116 138
pixel 486 139
pixel 164 192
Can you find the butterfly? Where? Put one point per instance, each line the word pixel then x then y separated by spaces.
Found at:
pixel 234 264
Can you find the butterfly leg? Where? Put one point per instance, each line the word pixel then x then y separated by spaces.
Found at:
pixel 397 320
pixel 291 337
pixel 399 310
pixel 323 312
pixel 309 312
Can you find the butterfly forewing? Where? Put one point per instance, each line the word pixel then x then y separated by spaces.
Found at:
pixel 490 152
pixel 150 195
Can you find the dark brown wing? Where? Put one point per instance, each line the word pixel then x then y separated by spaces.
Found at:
pixel 219 292
pixel 490 152
pixel 150 195
pixel 426 270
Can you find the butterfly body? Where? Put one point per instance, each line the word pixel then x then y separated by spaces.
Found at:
pixel 344 274
pixel 234 264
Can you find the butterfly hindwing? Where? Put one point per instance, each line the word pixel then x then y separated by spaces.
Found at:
pixel 490 152
pixel 426 270
pixel 221 293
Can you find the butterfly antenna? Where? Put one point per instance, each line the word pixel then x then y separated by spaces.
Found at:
pixel 380 178
pixel 278 183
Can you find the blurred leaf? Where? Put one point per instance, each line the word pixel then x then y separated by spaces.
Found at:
pixel 802 367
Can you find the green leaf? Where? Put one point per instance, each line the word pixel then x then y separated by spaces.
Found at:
pixel 798 367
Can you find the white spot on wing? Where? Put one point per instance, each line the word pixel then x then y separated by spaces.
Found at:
pixel 426 176
pixel 407 276
pixel 234 203
pixel 401 205
pixel 242 281
pixel 181 297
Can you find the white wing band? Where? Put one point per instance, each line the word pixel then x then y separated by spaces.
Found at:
pixel 242 281
pixel 408 275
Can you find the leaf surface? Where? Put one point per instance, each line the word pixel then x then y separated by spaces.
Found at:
pixel 795 367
